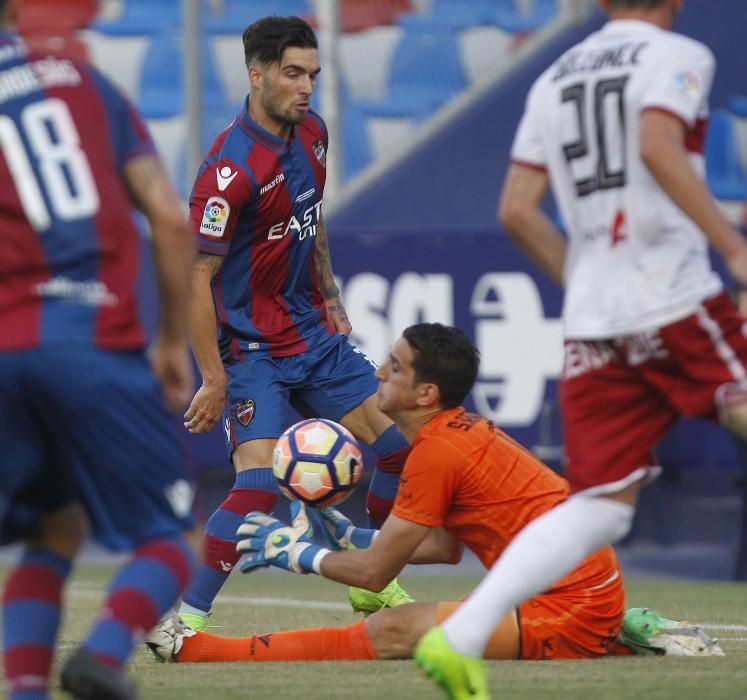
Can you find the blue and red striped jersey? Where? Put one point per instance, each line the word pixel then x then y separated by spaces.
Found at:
pixel 70 250
pixel 257 202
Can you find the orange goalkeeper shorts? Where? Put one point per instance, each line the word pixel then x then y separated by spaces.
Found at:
pixel 576 623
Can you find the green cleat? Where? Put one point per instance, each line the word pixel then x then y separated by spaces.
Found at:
pixel 649 634
pixel 461 677
pixel 195 622
pixel 368 602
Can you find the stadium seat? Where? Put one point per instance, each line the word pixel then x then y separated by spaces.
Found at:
pixel 738 105
pixel 390 135
pixel 229 60
pixel 143 17
pixel 426 72
pixel 356 151
pixel 519 17
pixel 451 14
pixel 161 90
pixel 724 171
pixel 357 15
pixel 484 50
pixel 106 54
pixel 365 59
pixel 236 15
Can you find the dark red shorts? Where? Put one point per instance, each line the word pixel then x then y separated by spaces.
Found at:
pixel 618 397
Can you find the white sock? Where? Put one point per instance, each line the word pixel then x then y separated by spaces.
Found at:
pixel 543 552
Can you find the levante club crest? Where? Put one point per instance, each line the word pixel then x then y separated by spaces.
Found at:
pixel 245 411
pixel 320 152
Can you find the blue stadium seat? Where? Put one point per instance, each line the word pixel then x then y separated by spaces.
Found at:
pixel 161 87
pixel 426 72
pixel 724 171
pixel 452 14
pixel 356 151
pixel 143 17
pixel 738 105
pixel 507 16
pixel 237 15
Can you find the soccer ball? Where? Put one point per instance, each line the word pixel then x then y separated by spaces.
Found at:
pixel 317 461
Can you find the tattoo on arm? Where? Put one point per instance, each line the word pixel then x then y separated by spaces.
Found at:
pixel 324 265
pixel 334 306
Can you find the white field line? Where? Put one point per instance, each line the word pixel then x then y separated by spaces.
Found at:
pixel 723 628
pixel 263 602
pixel 240 600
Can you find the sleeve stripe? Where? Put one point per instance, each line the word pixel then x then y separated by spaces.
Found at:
pixel 210 246
pixel 532 166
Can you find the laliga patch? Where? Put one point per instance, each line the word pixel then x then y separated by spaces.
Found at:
pixel 688 85
pixel 215 218
pixel 320 153
pixel 245 411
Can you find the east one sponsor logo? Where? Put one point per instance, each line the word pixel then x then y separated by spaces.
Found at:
pixel 305 227
pixel 521 349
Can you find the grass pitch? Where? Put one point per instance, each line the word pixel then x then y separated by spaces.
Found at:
pixel 267 601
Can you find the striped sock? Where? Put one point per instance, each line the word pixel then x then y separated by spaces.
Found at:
pixel 392 449
pixel 31 615
pixel 255 489
pixel 143 590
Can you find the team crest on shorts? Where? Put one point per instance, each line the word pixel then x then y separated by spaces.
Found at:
pixel 320 152
pixel 245 411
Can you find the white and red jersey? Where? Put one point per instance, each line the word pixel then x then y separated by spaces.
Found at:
pixel 635 260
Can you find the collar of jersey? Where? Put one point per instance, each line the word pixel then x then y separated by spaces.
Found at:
pixel 615 25
pixel 261 135
pixel 8 37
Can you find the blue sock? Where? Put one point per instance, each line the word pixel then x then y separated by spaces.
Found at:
pixel 254 489
pixel 392 449
pixel 32 603
pixel 143 590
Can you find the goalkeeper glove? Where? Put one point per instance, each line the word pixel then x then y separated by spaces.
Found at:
pixel 341 532
pixel 271 542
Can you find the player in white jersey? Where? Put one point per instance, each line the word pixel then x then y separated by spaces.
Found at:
pixel 615 127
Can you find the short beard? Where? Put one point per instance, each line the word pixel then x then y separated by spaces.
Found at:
pixel 286 120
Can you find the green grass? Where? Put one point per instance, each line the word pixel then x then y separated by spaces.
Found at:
pixel 646 678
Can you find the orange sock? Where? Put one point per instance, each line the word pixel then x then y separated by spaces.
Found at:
pixel 321 644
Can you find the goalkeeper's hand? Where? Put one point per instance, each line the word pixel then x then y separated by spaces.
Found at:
pixel 340 530
pixel 270 542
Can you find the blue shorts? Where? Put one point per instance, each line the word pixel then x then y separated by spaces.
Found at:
pixel 326 382
pixel 89 426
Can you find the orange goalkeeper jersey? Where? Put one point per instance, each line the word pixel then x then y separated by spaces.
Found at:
pixel 469 477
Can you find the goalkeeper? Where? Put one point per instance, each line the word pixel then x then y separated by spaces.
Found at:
pixel 464 483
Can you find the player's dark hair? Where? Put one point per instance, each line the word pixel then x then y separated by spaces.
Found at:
pixel 266 39
pixel 3 5
pixel 443 356
pixel 635 4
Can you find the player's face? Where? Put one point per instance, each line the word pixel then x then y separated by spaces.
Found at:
pixel 287 86
pixel 397 390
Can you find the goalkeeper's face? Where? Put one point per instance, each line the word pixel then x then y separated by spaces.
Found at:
pixel 287 86
pixel 398 392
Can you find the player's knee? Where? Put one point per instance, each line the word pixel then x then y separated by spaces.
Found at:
pixel 394 632
pixel 388 635
pixel 731 401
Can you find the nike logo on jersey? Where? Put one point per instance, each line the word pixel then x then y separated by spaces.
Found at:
pixel 225 177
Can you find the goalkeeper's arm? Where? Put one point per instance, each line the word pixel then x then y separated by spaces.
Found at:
pixel 375 566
